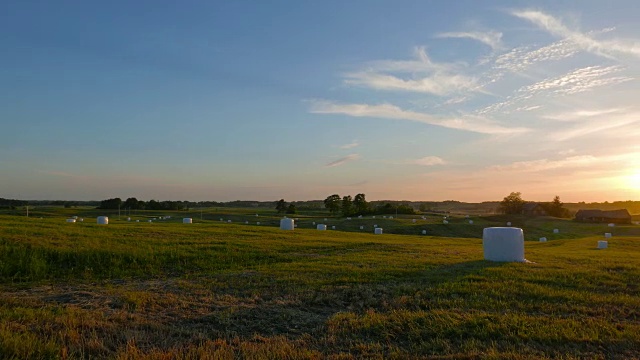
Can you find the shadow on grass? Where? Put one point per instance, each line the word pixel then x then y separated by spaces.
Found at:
pixel 292 311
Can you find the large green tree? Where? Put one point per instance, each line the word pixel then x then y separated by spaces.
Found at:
pixel 333 203
pixel 360 204
pixel 512 204
pixel 347 205
pixel 281 206
pixel 556 208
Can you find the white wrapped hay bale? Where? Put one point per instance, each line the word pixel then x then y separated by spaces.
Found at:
pixel 612 225
pixel 424 232
pixel 445 222
pixel 71 220
pixel 508 223
pixel 471 222
pixel 103 220
pixel 187 220
pixel 287 224
pixel 378 231
pixel 556 231
pixel 333 227
pixel 321 227
pixel 81 219
pixel 607 235
pixel 361 227
pixel 603 244
pixel 503 244
pixel 128 219
pixel 258 223
pixel 543 239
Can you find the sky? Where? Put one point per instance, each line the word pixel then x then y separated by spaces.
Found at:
pixel 262 100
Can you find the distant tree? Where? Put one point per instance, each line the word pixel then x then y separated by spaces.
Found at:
pixel 512 204
pixel 333 203
pixel 556 208
pixel 360 204
pixel 291 209
pixel 131 203
pixel 347 205
pixel 281 206
pixel 110 203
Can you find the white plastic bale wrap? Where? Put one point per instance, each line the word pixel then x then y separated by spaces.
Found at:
pixel 287 224
pixel 258 223
pixel 103 220
pixel 424 232
pixel 74 217
pixel 321 227
pixel 612 225
pixel 81 219
pixel 543 239
pixel 556 231
pixel 187 220
pixel 333 227
pixel 603 244
pixel 361 227
pixel 445 222
pixel 229 221
pixel 378 231
pixel 128 219
pixel 509 223
pixel 607 235
pixel 471 222
pixel 71 220
pixel 503 244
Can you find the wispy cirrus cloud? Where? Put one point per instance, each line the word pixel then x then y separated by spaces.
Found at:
pixel 586 42
pixel 582 114
pixel 521 58
pixel 343 160
pixel 428 161
pixel 546 164
pixel 579 80
pixel 491 38
pixel 574 82
pixel 350 145
pixel 388 111
pixel 420 75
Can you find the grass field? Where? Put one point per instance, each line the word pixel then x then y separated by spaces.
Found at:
pixel 223 290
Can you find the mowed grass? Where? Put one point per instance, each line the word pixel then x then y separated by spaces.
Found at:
pixel 231 291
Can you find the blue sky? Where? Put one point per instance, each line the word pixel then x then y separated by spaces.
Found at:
pixel 414 100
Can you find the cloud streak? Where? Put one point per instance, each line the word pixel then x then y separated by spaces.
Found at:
pixel 388 111
pixel 492 38
pixel 428 161
pixel 343 160
pixel 606 48
pixel 350 145
pixel 421 75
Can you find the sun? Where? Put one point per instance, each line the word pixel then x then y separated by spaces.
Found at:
pixel 633 180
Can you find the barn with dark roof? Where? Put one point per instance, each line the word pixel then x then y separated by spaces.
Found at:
pixel 609 216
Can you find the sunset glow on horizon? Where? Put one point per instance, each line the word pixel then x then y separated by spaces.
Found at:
pixel 262 101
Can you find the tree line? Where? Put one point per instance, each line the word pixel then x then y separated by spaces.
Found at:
pixel 350 206
pixel 135 204
pixel 514 204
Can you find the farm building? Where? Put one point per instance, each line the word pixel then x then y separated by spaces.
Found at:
pixel 533 209
pixel 608 216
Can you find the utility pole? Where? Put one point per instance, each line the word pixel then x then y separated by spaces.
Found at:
pixel 27 210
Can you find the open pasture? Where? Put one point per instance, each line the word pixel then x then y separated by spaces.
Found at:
pixel 224 291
